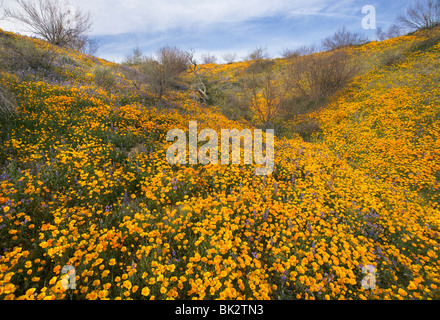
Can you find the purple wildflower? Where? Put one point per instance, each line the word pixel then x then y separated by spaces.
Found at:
pixel 266 214
pixel 284 278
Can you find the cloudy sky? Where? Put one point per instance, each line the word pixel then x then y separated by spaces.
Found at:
pixel 222 26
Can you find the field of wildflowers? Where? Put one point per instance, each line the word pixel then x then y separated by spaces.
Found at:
pixel 84 181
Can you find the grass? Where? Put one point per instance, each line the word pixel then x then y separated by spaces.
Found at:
pixel 8 109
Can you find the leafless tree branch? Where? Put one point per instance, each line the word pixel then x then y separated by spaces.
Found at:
pixel 421 14
pixel 58 24
pixel 343 38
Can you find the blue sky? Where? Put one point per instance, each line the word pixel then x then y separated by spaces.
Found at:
pixel 223 26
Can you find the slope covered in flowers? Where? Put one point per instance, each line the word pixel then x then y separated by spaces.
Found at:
pixel 85 182
pixel 388 123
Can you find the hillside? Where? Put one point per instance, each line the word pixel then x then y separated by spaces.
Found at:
pixel 84 181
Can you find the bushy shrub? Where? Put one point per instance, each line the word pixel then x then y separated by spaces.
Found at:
pixel 316 78
pixel 229 58
pixel 208 58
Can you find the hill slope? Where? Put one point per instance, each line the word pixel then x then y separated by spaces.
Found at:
pixel 85 182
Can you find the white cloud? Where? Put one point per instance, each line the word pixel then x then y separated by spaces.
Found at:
pixel 115 16
pixel 332 9
pixel 152 16
pixel 217 26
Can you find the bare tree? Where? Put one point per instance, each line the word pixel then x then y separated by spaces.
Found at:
pixel 173 60
pixel 421 14
pixel 258 54
pixel 199 84
pixel 262 91
pixel 273 96
pixel 61 25
pixel 229 57
pixel 209 58
pixel 163 71
pixel 135 58
pixel 343 38
pixel 89 46
pixel 393 31
pixel 1 10
pixel 299 52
